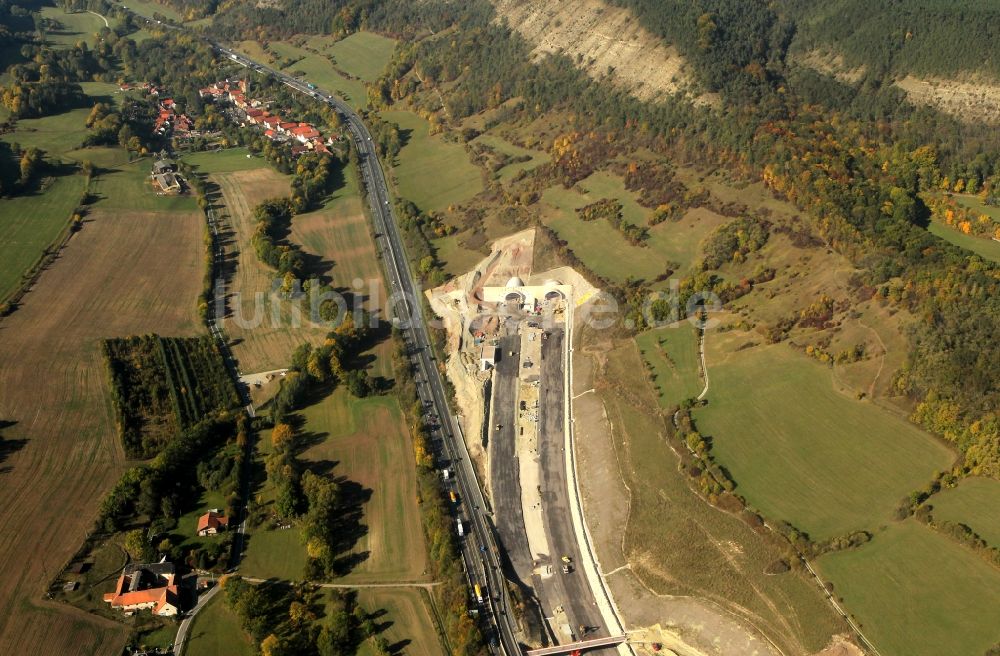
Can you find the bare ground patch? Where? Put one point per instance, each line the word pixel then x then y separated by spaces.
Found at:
pixel 967 101
pixel 599 38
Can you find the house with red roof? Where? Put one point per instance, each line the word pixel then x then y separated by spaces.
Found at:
pixel 146 587
pixel 211 523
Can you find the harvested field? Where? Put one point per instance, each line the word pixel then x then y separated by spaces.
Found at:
pixel 918 593
pixel 258 323
pixel 125 273
pixel 798 449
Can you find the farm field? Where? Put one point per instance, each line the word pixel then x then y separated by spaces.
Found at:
pixel 257 323
pixel 668 529
pixel 917 593
pixel 671 244
pixel 430 171
pixel 362 54
pixel 109 281
pixel 798 449
pixel 985 248
pixel 28 224
pixel 339 234
pixel 975 503
pixel 216 630
pixel 366 442
pixel 411 630
pixel 78 26
pixel 672 354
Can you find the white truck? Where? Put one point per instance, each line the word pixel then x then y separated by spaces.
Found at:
pixel 461 529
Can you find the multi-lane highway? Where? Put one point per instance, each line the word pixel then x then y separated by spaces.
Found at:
pixel 479 547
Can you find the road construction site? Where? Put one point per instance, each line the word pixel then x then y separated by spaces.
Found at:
pixel 509 335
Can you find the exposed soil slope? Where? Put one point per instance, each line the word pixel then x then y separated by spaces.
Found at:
pixel 599 38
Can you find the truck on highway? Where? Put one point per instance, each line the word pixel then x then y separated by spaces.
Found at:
pixel 461 529
pixel 453 496
pixel 479 593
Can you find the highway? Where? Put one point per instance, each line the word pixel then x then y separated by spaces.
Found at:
pixel 480 551
pixel 479 546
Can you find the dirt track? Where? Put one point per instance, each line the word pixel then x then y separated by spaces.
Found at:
pixel 123 274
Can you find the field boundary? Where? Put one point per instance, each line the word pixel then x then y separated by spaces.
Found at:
pixel 9 304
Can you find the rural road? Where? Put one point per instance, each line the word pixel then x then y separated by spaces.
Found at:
pixel 185 626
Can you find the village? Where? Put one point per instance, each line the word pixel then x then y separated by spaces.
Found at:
pixel 303 137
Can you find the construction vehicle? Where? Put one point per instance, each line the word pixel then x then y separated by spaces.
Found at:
pixel 479 593
pixel 567 559
pixel 453 496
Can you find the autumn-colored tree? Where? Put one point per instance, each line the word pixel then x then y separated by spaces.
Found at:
pixel 281 436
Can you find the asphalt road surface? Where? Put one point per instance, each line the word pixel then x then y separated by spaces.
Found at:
pixel 571 591
pixel 504 464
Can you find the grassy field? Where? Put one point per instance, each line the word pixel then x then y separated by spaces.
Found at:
pixel 430 171
pixel 362 54
pixel 672 353
pixel 55 134
pixel 127 187
pixel 538 157
pixel 798 450
pixel 643 513
pixel 975 503
pixel 224 161
pixel 28 224
pixel 605 250
pixel 147 8
pixel 76 27
pixel 108 282
pixel 216 630
pixel 410 628
pixel 278 553
pixel 985 248
pixel 917 593
pixel 366 441
pixel 457 260
pixel 313 67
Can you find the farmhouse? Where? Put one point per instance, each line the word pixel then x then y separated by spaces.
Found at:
pixel 211 523
pixel 167 183
pixel 146 586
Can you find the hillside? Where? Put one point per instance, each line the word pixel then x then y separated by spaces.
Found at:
pixel 601 40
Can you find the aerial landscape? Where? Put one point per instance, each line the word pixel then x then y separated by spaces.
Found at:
pixel 500 327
